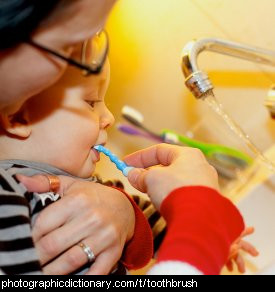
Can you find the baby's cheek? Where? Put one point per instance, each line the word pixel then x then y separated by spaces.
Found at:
pixel 91 133
pixel 81 137
pixel 88 136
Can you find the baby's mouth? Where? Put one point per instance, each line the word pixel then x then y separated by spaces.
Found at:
pixel 100 144
pixel 96 153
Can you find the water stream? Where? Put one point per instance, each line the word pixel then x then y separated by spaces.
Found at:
pixel 218 108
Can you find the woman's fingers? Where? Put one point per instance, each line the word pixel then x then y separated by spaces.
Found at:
pixel 59 238
pixel 52 244
pixel 101 217
pixel 104 262
pixel 40 184
pixel 136 178
pixel 163 154
pixel 106 254
pixel 169 167
pixel 71 261
pixel 47 220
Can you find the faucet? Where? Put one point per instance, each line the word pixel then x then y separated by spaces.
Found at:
pixel 198 81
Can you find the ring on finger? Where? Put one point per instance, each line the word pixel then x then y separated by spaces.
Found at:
pixel 88 251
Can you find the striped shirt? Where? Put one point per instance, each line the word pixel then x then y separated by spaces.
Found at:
pixel 19 209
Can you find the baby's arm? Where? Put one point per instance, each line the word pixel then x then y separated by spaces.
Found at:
pixel 236 247
pixel 18 255
pixel 154 218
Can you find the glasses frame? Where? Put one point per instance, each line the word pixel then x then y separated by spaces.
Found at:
pixel 87 69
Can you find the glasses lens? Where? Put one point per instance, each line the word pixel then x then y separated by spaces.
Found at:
pixel 94 50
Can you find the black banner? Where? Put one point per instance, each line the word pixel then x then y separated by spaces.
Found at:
pixel 44 283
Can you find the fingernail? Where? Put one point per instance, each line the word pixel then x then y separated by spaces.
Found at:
pixel 134 174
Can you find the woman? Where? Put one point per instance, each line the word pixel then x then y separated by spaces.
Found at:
pixel 26 69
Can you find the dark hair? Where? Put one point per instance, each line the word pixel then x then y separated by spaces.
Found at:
pixel 18 18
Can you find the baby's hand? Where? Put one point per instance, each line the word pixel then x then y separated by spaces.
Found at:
pixel 234 254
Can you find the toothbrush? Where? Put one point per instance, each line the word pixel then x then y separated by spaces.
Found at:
pixel 228 156
pixel 122 166
pixel 136 118
pixel 225 172
pixel 132 130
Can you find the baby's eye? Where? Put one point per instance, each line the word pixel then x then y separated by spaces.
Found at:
pixel 91 103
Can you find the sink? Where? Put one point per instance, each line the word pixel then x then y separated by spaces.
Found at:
pixel 256 201
pixel 258 209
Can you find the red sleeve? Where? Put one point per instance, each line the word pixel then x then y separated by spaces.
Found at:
pixel 201 227
pixel 139 250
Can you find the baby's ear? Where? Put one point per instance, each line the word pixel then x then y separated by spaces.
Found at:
pixel 16 124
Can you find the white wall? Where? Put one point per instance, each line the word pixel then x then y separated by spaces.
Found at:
pixel 147 37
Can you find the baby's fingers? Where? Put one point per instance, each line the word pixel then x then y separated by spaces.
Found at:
pixel 234 250
pixel 247 231
pixel 248 247
pixel 240 263
pixel 229 265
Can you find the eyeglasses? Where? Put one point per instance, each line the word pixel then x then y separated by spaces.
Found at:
pixel 93 54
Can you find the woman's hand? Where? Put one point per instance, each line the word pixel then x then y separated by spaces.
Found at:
pixel 101 217
pixel 168 167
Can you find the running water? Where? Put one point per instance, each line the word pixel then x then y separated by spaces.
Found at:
pixel 218 108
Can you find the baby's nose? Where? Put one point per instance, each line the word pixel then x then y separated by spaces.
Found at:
pixel 107 119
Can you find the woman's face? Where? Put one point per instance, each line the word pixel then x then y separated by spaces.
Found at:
pixel 26 71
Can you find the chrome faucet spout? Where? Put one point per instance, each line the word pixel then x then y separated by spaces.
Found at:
pixel 197 81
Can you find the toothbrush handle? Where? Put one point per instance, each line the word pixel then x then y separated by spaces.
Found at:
pixel 122 166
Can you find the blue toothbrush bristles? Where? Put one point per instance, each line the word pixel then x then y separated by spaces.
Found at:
pixel 122 166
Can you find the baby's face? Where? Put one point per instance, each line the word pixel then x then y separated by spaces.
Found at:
pixel 68 120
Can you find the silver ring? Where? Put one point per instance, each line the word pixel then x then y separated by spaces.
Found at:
pixel 89 253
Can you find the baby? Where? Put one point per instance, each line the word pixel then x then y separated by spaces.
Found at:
pixel 55 132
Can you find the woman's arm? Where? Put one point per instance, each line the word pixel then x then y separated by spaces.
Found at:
pixel 202 225
pixel 101 217
pixel 116 229
pixel 184 187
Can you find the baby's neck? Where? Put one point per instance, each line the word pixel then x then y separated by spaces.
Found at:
pixel 30 168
